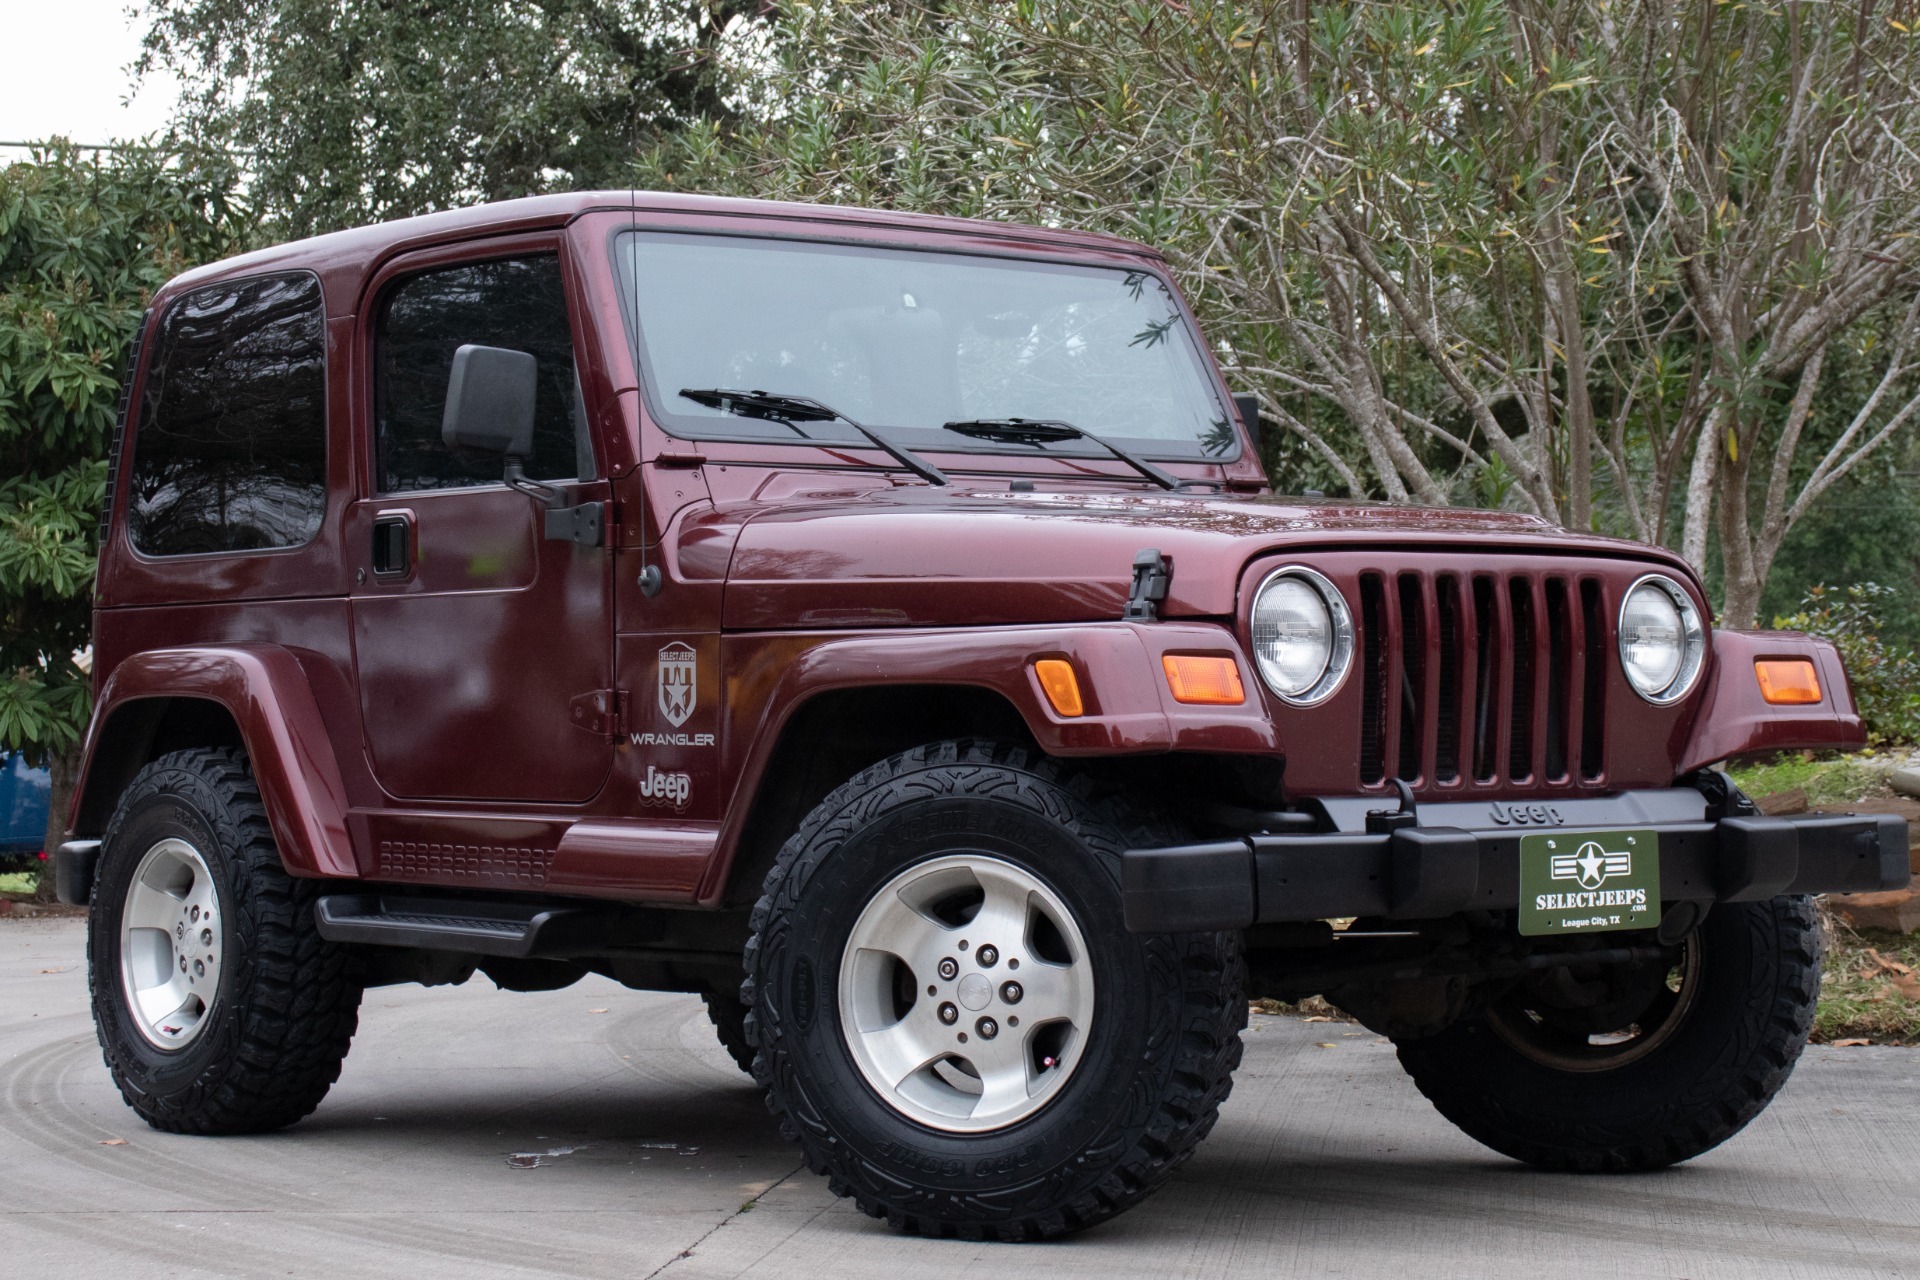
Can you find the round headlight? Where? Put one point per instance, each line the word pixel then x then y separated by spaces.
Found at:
pixel 1302 635
pixel 1662 640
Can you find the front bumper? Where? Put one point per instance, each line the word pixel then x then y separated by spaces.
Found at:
pixel 1440 867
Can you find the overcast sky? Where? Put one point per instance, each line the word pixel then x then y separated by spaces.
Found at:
pixel 63 71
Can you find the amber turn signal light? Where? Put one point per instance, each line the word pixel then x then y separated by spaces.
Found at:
pixel 1060 685
pixel 1210 681
pixel 1788 682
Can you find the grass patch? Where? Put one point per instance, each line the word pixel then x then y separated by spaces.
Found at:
pixel 1827 779
pixel 1864 993
pixel 20 882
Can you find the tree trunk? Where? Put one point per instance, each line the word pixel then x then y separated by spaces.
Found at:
pixel 65 768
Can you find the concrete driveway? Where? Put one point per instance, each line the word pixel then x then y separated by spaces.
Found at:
pixel 1325 1163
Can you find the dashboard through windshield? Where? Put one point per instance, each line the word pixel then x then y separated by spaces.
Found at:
pixel 906 341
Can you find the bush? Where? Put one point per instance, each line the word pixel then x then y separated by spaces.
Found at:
pixel 1885 675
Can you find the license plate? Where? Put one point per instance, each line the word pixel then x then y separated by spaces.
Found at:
pixel 1589 881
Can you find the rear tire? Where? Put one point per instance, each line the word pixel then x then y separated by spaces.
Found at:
pixel 1684 1074
pixel 729 1019
pixel 266 1007
pixel 1129 1042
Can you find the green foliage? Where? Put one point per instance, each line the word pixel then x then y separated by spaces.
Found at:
pixel 1885 676
pixel 356 111
pixel 1827 779
pixel 84 243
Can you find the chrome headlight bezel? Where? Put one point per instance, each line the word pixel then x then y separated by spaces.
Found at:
pixel 1340 648
pixel 1693 640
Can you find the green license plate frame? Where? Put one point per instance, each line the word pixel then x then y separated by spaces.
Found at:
pixel 1589 881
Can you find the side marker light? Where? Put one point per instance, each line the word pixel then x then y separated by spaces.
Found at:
pixel 1060 685
pixel 1788 683
pixel 1210 681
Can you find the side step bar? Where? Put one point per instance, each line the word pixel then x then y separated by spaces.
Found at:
pixel 471 926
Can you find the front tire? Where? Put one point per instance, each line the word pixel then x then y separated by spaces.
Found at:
pixel 1674 1062
pixel 218 1006
pixel 887 1010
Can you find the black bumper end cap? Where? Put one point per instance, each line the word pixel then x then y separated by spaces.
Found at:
pixel 1194 888
pixel 73 864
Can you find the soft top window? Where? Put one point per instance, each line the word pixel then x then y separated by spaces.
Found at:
pixel 230 450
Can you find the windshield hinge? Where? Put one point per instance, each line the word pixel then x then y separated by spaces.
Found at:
pixel 602 712
pixel 1152 574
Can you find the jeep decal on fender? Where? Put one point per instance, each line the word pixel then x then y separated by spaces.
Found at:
pixel 679 682
pixel 665 789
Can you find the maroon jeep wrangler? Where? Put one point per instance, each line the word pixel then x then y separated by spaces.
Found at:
pixel 892 611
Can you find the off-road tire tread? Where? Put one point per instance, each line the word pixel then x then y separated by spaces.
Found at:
pixel 1212 979
pixel 1719 1105
pixel 303 992
pixel 729 1019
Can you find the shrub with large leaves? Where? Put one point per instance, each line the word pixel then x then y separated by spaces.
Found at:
pixel 85 240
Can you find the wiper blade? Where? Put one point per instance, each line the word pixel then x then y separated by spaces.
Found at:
pixel 1035 430
pixel 777 407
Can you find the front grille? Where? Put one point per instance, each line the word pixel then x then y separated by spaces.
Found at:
pixel 1498 674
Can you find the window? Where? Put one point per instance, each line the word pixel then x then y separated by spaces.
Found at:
pixel 230 452
pixel 907 340
pixel 519 303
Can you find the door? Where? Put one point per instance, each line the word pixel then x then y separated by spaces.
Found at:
pixel 474 632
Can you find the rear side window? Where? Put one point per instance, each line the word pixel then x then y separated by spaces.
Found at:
pixel 230 453
pixel 519 303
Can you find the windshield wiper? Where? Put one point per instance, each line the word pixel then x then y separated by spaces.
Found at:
pixel 1035 430
pixel 775 407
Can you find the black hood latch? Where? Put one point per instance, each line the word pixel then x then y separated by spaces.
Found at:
pixel 1152 575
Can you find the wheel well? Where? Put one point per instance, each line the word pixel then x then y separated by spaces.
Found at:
pixel 836 734
pixel 139 732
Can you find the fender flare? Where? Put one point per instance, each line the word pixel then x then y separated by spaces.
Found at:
pixel 270 698
pixel 1129 708
pixel 1734 719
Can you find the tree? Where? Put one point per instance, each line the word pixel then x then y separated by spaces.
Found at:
pixel 1586 259
pixel 84 243
pixel 354 111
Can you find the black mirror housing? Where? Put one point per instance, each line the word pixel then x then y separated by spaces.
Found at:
pixel 1248 406
pixel 490 396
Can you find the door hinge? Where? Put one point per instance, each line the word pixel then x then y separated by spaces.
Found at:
pixel 602 712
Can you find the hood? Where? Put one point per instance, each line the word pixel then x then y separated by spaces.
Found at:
pixel 921 556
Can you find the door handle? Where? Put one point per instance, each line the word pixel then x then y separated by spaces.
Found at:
pixel 392 545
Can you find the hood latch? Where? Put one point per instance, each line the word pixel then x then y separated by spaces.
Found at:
pixel 1152 575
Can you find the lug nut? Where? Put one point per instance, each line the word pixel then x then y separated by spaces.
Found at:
pixel 987 1028
pixel 194 914
pixel 949 1013
pixel 206 937
pixel 949 969
pixel 988 956
pixel 1011 992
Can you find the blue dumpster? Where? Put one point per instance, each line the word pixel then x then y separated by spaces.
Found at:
pixel 24 793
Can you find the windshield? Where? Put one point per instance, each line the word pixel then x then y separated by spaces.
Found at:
pixel 907 341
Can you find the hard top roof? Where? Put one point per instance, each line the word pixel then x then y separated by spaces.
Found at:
pixel 360 246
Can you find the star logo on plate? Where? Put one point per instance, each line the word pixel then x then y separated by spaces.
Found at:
pixel 1592 865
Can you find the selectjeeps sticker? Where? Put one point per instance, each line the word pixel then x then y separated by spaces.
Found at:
pixel 1589 881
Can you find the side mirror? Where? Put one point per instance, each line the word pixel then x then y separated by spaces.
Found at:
pixel 1248 406
pixel 490 397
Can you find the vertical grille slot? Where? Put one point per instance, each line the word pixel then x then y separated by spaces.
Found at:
pixel 1446 728
pixel 1520 725
pixel 1560 677
pixel 1413 675
pixel 1373 679
pixel 1593 696
pixel 1486 708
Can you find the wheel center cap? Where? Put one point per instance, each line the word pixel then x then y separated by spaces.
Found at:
pixel 975 992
